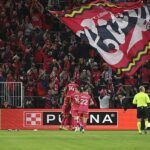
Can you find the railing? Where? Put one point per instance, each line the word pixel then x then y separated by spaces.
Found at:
pixel 12 93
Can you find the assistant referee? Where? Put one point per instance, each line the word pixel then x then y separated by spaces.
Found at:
pixel 142 100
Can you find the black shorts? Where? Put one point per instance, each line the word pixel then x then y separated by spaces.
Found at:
pixel 142 112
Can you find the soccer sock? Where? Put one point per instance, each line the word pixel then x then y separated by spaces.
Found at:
pixel 78 124
pixel 63 121
pixel 84 125
pixel 75 122
pixel 70 122
pixel 66 121
pixel 139 126
pixel 146 124
pixel 81 122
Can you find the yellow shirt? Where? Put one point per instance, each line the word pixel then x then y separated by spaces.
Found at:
pixel 141 99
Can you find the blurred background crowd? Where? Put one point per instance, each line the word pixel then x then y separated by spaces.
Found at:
pixel 40 51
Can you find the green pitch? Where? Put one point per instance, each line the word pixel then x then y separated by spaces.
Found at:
pixel 69 140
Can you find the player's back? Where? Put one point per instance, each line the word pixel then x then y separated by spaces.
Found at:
pixel 71 87
pixel 85 99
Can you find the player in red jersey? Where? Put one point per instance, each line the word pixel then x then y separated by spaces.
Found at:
pixel 66 108
pixel 71 88
pixel 84 102
pixel 75 97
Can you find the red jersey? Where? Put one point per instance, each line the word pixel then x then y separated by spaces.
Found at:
pixel 38 56
pixel 37 20
pixel 96 75
pixel 30 90
pixel 145 75
pixel 76 76
pixel 130 80
pixel 85 100
pixel 40 89
pixel 71 87
pixel 47 62
pixel 56 84
pixel 75 101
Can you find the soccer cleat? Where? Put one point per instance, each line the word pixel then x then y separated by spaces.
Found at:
pixel 76 129
pixel 83 131
pixel 81 128
pixel 140 132
pixel 145 131
pixel 60 128
pixel 65 128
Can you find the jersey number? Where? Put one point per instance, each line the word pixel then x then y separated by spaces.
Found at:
pixel 71 88
pixel 83 102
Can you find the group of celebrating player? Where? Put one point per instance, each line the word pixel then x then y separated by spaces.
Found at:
pixel 75 107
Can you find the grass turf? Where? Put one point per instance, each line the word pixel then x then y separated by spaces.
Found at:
pixel 69 140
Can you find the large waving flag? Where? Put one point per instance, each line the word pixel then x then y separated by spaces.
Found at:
pixel 121 34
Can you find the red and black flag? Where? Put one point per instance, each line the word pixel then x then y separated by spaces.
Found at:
pixel 120 33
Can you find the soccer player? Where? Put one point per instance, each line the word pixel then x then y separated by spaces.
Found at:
pixel 66 108
pixel 142 100
pixel 74 109
pixel 84 102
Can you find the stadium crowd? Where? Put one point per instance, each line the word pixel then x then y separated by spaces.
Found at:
pixel 40 51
